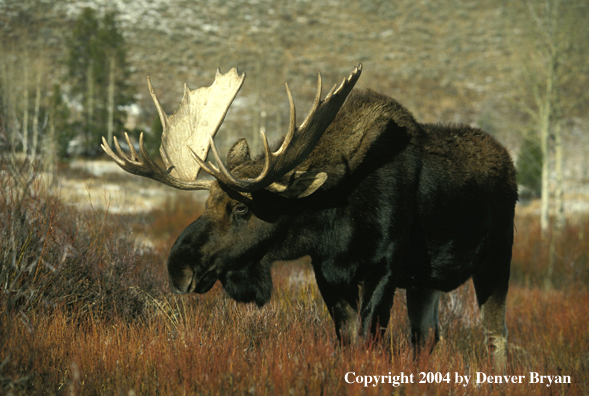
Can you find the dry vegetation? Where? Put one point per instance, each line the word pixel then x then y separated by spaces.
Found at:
pixel 84 303
pixel 84 311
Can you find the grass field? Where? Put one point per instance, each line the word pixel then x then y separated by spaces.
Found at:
pixel 84 311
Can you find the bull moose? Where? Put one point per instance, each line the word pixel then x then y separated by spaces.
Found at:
pixel 377 200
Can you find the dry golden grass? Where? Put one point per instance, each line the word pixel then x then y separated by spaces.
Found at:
pixel 83 312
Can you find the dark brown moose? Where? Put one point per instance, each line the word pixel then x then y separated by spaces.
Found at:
pixel 377 200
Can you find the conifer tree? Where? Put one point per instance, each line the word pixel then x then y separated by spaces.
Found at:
pixel 98 70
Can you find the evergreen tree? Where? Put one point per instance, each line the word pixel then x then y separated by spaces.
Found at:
pixel 98 68
pixel 529 166
pixel 59 116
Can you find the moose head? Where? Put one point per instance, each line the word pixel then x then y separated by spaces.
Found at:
pixel 251 202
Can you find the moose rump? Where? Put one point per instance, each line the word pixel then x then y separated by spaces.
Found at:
pixel 377 200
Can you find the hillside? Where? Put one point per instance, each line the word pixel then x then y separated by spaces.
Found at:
pixel 464 62
pixel 446 63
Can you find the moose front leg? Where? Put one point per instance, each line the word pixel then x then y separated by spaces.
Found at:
pixel 359 309
pixel 422 308
pixel 377 292
pixel 342 305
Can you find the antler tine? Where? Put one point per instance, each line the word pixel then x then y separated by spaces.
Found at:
pixel 134 155
pixel 221 172
pixel 105 146
pixel 298 142
pixel 292 127
pixel 143 165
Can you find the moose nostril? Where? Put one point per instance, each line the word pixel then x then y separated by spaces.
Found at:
pixel 174 289
pixel 181 281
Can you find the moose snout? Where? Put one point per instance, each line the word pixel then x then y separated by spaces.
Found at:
pixel 181 281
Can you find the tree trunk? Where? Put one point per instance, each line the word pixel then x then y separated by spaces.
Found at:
pixel 89 103
pixel 9 100
pixel 50 152
pixel 256 116
pixel 545 193
pixel 4 91
pixel 546 110
pixel 111 100
pixel 25 117
pixel 36 115
pixel 546 125
pixel 560 218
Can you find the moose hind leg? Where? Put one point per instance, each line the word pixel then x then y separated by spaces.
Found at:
pixel 422 307
pixel 491 285
pixel 491 296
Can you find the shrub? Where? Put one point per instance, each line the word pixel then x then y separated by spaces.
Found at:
pixel 53 255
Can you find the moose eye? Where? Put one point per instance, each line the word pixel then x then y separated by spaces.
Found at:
pixel 240 209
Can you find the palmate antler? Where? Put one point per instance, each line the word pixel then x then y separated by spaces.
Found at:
pixel 199 117
pixel 188 134
pixel 298 143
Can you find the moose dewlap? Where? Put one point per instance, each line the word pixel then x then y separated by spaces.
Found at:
pixel 376 199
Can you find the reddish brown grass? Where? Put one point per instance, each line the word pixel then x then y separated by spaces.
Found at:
pixel 531 253
pixel 100 320
pixel 166 222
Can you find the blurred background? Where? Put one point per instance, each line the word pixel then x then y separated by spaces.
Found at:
pixel 83 244
pixel 73 71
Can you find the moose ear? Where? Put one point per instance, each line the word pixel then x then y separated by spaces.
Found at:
pixel 298 184
pixel 238 153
